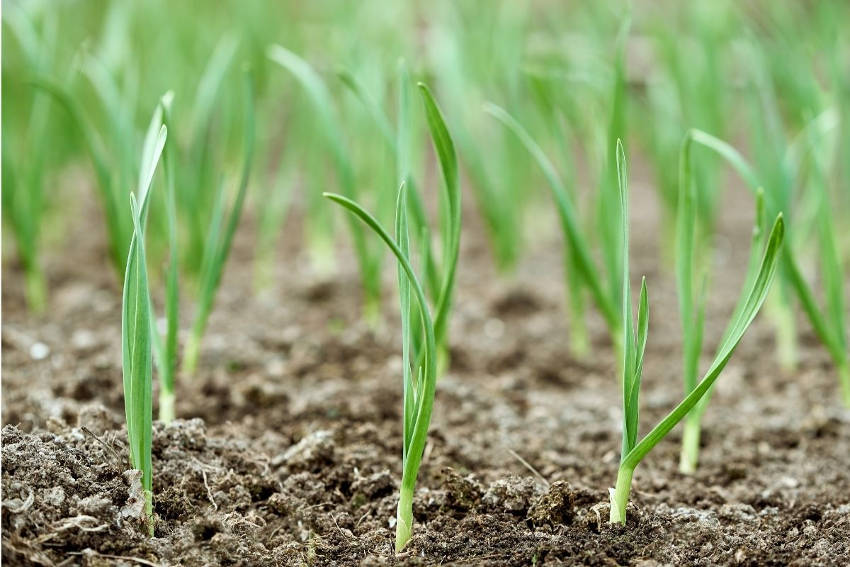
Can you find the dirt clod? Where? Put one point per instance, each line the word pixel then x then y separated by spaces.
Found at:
pixel 555 507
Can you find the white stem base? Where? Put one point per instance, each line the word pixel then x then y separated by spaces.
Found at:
pixel 404 519
pixel 620 496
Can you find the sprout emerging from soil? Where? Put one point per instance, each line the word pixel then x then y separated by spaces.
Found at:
pixel 419 354
pixel 23 173
pixel 692 304
pixel 220 234
pixel 165 348
pixel 369 261
pixel 576 247
pixel 136 328
pixel 634 343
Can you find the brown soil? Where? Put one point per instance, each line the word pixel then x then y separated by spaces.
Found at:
pixel 289 452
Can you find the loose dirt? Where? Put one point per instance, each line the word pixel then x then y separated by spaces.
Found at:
pixel 288 447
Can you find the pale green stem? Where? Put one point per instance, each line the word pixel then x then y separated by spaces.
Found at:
pixel 690 445
pixel 579 337
pixel 372 311
pixel 166 406
pixel 190 354
pixel 36 289
pixel 786 334
pixel 404 517
pixel 321 252
pixel 149 512
pixel 620 495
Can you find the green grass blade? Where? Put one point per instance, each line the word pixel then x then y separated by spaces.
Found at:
pixel 137 364
pixel 730 154
pixel 631 352
pixel 639 346
pixel 791 270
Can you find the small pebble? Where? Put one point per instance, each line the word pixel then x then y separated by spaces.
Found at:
pixel 39 351
pixel 83 339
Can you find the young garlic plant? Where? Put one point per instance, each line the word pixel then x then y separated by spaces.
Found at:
pixel 220 232
pixel 136 331
pixel 24 163
pixel 634 344
pixel 438 277
pixel 828 322
pixel 112 174
pixel 369 260
pixel 420 357
pixel 577 249
pixel 165 348
pixel 691 301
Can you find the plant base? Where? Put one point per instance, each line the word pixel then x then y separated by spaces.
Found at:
pixel 404 519
pixel 620 496
pixel 36 290
pixel 190 354
pixel 786 337
pixel 166 407
pixel 149 524
pixel 689 456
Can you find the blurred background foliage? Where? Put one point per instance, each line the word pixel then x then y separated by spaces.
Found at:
pixel 754 72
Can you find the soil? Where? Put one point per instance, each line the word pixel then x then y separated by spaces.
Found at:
pixel 288 447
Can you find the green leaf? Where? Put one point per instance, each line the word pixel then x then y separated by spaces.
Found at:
pixel 686 220
pixel 403 239
pixel 450 236
pixel 633 343
pixel 371 106
pixel 755 298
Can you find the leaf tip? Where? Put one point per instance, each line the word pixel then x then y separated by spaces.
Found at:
pixel 167 99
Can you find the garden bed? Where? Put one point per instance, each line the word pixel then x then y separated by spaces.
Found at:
pixel 289 447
